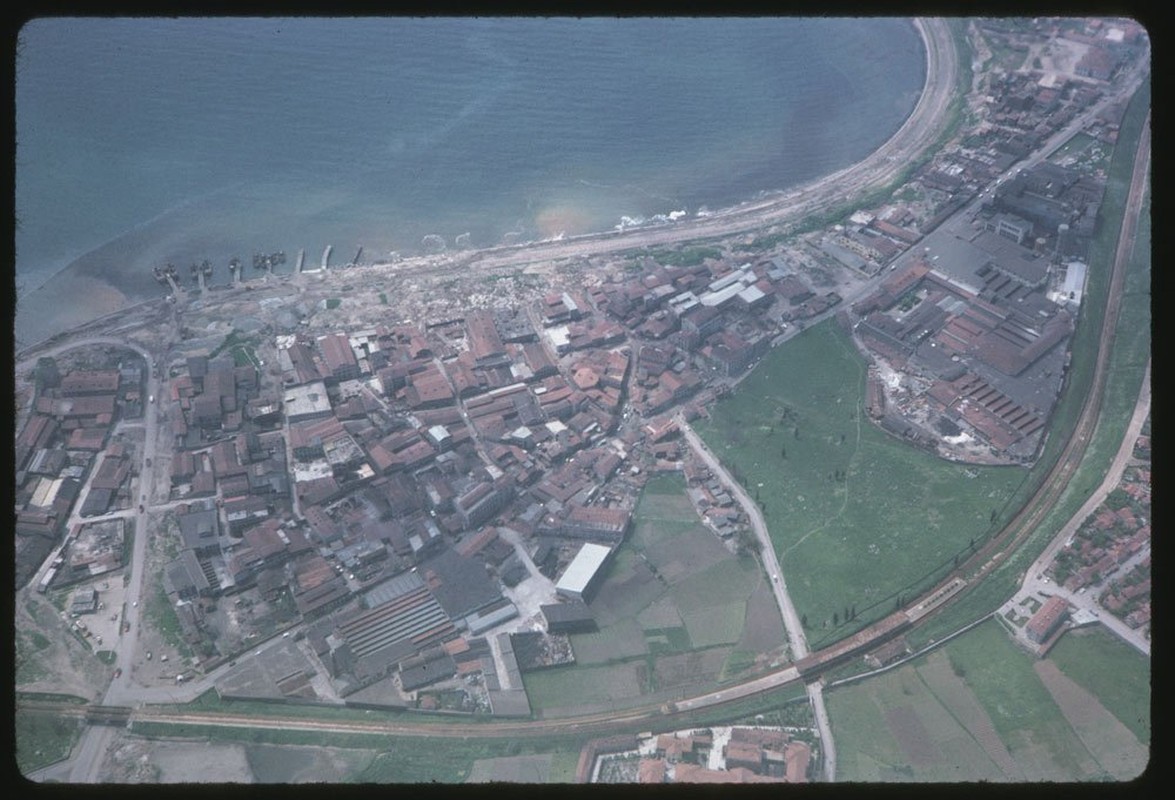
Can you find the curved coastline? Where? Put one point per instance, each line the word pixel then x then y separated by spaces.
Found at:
pixel 131 287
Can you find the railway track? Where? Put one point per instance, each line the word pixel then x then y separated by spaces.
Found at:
pixel 990 555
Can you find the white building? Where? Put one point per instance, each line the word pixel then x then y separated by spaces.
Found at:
pixel 584 572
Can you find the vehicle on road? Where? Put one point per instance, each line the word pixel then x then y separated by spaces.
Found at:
pixel 148 655
pixel 118 672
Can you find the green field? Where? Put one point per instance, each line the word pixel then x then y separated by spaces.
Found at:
pixel 43 738
pixel 979 709
pixel 1118 674
pixel 676 611
pixel 378 758
pixel 897 517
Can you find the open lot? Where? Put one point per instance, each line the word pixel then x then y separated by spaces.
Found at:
pixel 979 709
pixel 511 769
pixel 847 532
pixel 671 611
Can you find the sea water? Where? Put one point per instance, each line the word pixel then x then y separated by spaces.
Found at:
pixel 185 139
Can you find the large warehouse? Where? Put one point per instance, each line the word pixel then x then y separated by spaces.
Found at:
pixel 584 572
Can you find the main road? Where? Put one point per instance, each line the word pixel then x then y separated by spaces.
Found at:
pixel 921 129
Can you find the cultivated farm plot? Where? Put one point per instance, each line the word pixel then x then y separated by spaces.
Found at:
pixel 1111 743
pixel 569 690
pixel 1117 674
pixel 623 640
pixel 979 709
pixel 670 610
pixel 848 531
pixel 716 624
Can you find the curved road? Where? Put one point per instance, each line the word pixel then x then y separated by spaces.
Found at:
pixel 879 168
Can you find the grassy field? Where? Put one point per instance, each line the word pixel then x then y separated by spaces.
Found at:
pixel 377 758
pixel 981 709
pixel 42 739
pixel 673 607
pixel 846 532
pixel 1116 673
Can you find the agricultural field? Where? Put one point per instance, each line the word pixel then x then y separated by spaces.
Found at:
pixel 981 709
pixel 1117 674
pixel 677 612
pixel 847 531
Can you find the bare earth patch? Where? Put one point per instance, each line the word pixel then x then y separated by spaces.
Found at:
pixel 511 769
pixel 180 762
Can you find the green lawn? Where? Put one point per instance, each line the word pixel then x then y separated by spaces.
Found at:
pixel 791 429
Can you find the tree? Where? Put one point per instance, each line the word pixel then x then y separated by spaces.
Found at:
pixel 804 621
pixel 835 619
pixel 46 374
pixel 746 542
pixel 783 452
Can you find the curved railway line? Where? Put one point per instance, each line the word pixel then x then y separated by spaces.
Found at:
pixel 994 552
pixel 997 550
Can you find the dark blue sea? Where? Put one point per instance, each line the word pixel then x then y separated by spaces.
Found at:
pixel 208 138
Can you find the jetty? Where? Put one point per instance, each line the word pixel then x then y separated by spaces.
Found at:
pixel 326 255
pixel 301 259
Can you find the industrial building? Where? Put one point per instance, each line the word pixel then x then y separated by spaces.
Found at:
pixel 584 573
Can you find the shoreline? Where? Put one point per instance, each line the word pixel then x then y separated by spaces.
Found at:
pixel 872 171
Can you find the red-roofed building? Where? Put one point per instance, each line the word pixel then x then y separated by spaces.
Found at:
pixel 1047 620
pixel 338 357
